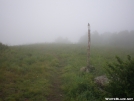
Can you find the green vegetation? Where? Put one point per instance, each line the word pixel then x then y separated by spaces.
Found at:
pixel 25 73
pixel 121 76
pixel 3 47
pixel 30 72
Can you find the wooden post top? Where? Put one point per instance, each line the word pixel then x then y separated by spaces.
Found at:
pixel 88 26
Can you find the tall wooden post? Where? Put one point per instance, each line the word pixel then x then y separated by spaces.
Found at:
pixel 88 50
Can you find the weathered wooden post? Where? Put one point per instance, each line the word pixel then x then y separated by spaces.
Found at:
pixel 88 50
pixel 88 67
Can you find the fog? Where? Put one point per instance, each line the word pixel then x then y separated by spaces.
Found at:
pixel 122 39
pixel 39 21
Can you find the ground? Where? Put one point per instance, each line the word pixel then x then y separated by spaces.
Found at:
pixel 56 92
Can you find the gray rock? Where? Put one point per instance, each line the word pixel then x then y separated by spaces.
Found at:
pixel 84 69
pixel 101 81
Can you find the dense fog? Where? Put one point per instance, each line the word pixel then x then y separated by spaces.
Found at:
pixel 123 39
pixel 65 21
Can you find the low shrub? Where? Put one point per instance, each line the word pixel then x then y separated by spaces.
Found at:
pixel 121 76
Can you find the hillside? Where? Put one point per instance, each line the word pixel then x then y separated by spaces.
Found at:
pixel 51 72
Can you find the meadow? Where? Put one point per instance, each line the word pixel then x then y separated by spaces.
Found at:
pixel 51 72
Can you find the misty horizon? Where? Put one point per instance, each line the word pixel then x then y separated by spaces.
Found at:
pixel 39 21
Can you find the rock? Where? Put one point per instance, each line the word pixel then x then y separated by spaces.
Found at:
pixel 84 69
pixel 101 80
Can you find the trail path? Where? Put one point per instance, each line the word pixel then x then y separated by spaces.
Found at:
pixel 56 92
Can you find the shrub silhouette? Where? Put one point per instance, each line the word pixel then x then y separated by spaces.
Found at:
pixel 3 47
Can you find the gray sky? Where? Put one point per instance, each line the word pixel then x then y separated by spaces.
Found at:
pixel 32 21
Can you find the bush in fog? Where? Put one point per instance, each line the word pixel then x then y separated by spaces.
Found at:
pixel 121 76
pixel 3 47
pixel 61 40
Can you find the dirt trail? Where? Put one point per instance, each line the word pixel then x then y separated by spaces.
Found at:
pixel 56 92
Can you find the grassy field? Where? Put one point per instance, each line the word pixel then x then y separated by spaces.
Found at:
pixel 51 72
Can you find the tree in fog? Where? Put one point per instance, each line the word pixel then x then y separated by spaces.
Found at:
pixel 95 38
pixel 120 39
pixel 61 40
